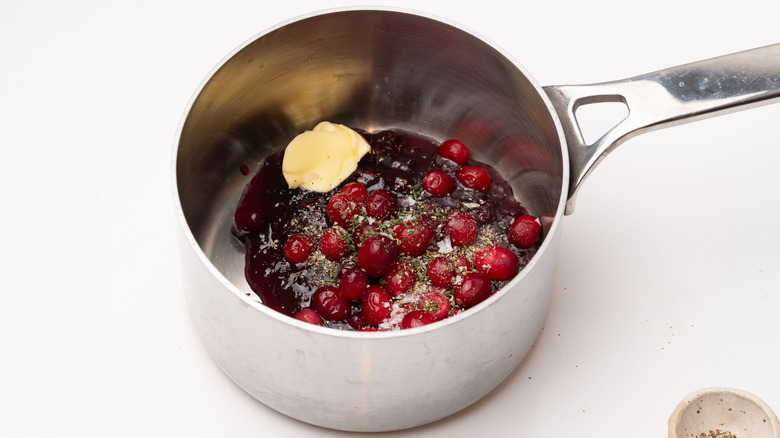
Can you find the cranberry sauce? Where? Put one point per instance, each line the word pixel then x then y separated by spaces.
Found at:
pixel 269 213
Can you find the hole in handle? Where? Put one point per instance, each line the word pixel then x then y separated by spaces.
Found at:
pixel 596 118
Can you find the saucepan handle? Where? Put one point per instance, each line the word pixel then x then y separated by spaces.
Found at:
pixel 665 98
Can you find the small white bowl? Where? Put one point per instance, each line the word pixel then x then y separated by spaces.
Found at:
pixel 723 409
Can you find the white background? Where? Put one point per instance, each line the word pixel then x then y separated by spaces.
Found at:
pixel 668 275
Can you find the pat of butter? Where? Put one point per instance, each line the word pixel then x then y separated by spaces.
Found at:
pixel 320 159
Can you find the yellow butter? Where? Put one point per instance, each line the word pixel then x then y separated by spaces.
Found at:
pixel 320 159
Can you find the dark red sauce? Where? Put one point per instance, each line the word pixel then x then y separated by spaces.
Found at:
pixel 269 212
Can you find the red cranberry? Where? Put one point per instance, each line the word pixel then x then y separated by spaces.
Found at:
pixel 353 284
pixel 497 262
pixel 434 218
pixel 334 243
pixel 308 315
pixel 438 289
pixel 438 183
pixel 380 204
pixel 297 248
pixel 454 150
pixel 441 272
pixel 524 231
pixel 358 191
pixel 248 218
pixel 329 303
pixel 417 318
pixel 435 303
pixel 462 228
pixel 400 279
pixel 342 208
pixel 364 230
pixel 376 305
pixel 357 321
pixel 376 255
pixel 476 178
pixel 413 237
pixel 474 289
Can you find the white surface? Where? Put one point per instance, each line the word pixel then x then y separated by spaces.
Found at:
pixel 668 279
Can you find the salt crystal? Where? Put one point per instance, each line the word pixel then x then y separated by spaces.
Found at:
pixel 406 201
pixel 445 245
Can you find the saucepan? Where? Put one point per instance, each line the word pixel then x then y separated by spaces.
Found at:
pixel 377 69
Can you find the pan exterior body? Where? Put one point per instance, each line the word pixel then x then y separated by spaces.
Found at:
pixel 370 69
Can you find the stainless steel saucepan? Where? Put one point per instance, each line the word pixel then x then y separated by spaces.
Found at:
pixel 379 69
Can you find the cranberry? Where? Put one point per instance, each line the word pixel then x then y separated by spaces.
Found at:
pixel 524 231
pixel 438 183
pixel 497 262
pixel 417 318
pixel 454 150
pixel 476 178
pixel 334 243
pixel 357 321
pixel 364 230
pixel 435 303
pixel 248 218
pixel 353 284
pixel 342 208
pixel 376 305
pixel 413 237
pixel 308 315
pixel 474 289
pixel 441 272
pixel 433 215
pixel 298 247
pixel 380 204
pixel 400 279
pixel 329 303
pixel 438 289
pixel 358 191
pixel 462 228
pixel 376 255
